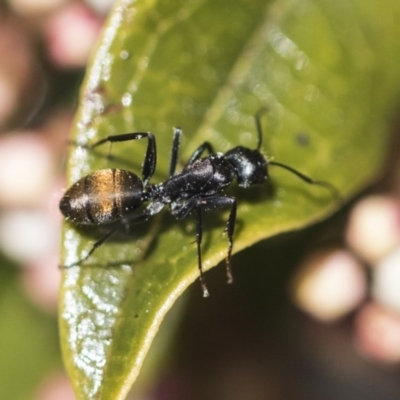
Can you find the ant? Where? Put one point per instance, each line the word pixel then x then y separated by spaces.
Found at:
pixel 112 196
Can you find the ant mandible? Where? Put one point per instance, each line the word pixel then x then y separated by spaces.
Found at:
pixel 112 196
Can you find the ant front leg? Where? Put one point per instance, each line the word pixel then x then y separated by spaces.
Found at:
pixel 176 142
pixel 150 160
pixel 206 146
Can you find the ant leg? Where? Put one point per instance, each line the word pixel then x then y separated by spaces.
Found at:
pixel 230 228
pixel 150 210
pixel 182 212
pixel 94 247
pixel 214 203
pixel 207 204
pixel 334 191
pixel 199 236
pixel 150 160
pixel 206 146
pixel 176 143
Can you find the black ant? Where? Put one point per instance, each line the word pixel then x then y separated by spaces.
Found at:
pixel 111 196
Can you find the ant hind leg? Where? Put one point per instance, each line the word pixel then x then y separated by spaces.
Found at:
pixel 96 245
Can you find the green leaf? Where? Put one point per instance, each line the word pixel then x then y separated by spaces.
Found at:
pixel 327 71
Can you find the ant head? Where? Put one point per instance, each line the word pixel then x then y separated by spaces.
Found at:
pixel 250 165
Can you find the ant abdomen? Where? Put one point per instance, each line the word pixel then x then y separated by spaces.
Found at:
pixel 102 197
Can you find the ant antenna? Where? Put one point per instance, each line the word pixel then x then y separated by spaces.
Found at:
pixel 334 191
pixel 258 116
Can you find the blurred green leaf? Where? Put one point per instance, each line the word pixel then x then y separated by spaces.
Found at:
pixel 327 71
pixel 28 340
